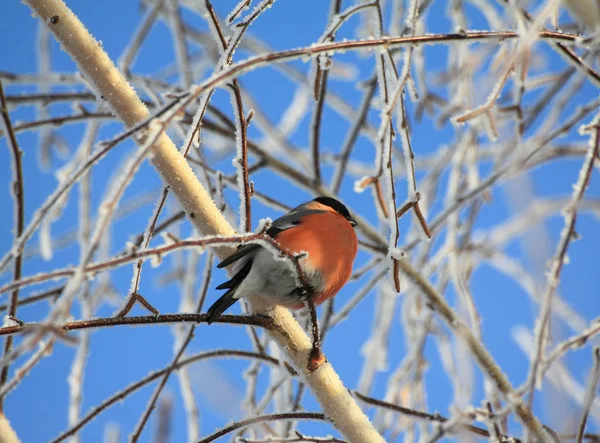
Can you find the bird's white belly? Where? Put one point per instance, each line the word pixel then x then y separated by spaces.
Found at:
pixel 272 278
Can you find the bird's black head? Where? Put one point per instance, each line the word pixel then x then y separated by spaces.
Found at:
pixel 338 207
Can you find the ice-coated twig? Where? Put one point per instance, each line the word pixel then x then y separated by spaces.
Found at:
pixel 321 74
pixel 337 19
pixel 193 132
pixel 241 121
pixel 431 418
pixel 541 328
pixel 386 134
pixel 87 303
pixel 119 396
pixel 486 107
pixel 241 29
pixel 558 375
pixel 450 426
pixel 44 350
pixel 388 42
pixel 555 119
pixel 571 343
pixel 232 182
pixel 265 418
pixel 44 62
pixel 134 46
pixel 375 350
pixel 590 394
pixel 535 111
pixel 18 194
pixel 316 357
pixel 183 374
pixel 63 305
pixel 345 311
pixel 537 211
pixel 65 187
pixel 299 438
pixel 338 103
pixel 161 251
pixel 77 372
pixel 568 53
pixel 352 136
pixel 519 60
pixel 458 269
pixel 180 350
pixel 137 268
pixel 241 159
pixel 242 6
pixel 515 270
pixel 106 322
pixel 60 120
pixel 178 31
pixel 482 356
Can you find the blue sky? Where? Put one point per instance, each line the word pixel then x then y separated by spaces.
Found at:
pixel 120 356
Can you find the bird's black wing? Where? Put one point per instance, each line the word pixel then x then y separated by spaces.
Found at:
pixel 229 298
pixel 289 220
pixel 241 252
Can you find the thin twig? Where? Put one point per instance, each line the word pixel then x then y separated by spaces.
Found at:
pixel 321 69
pixel 158 253
pixel 352 136
pixel 316 357
pixel 148 234
pixel 107 322
pixel 590 394
pixel 433 418
pixel 77 373
pixel 541 329
pixel 577 341
pixel 19 221
pixel 264 418
pixel 121 395
pixel 60 192
pixel 179 354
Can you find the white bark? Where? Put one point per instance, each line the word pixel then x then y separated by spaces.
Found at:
pixel 7 434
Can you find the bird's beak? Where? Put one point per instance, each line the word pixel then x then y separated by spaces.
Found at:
pixel 352 222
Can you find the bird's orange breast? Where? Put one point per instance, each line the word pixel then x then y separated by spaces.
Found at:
pixel 331 244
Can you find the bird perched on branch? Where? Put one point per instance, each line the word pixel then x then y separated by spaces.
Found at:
pixel 322 229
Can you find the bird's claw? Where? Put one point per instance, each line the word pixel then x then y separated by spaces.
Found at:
pixel 316 359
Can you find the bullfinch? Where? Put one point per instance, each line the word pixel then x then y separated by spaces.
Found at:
pixel 324 229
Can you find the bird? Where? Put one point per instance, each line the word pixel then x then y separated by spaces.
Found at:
pixel 323 229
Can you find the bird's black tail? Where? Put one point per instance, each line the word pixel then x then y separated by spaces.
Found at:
pixel 221 305
pixel 229 298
